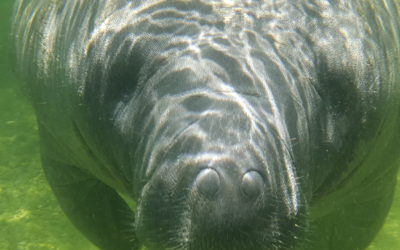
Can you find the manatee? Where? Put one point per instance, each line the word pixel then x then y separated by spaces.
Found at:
pixel 212 125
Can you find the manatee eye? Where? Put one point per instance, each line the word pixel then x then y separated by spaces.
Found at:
pixel 208 182
pixel 252 184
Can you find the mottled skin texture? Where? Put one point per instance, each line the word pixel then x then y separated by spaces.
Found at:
pixel 223 124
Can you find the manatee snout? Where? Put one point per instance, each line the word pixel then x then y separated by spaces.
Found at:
pixel 212 205
pixel 225 202
pixel 227 197
pixel 212 183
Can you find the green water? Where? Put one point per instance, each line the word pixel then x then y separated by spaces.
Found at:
pixel 29 215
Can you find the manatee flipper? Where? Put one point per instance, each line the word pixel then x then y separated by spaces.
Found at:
pixel 92 206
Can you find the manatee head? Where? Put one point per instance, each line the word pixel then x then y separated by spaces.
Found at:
pixel 215 173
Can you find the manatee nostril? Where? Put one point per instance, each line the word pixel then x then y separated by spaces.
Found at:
pixel 252 184
pixel 208 182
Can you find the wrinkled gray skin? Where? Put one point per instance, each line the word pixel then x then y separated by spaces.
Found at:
pixel 223 124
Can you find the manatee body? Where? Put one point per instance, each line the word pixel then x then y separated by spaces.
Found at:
pixel 216 124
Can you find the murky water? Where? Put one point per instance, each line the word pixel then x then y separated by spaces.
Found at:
pixel 29 215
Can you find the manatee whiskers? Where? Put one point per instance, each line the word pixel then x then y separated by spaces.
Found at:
pixel 128 225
